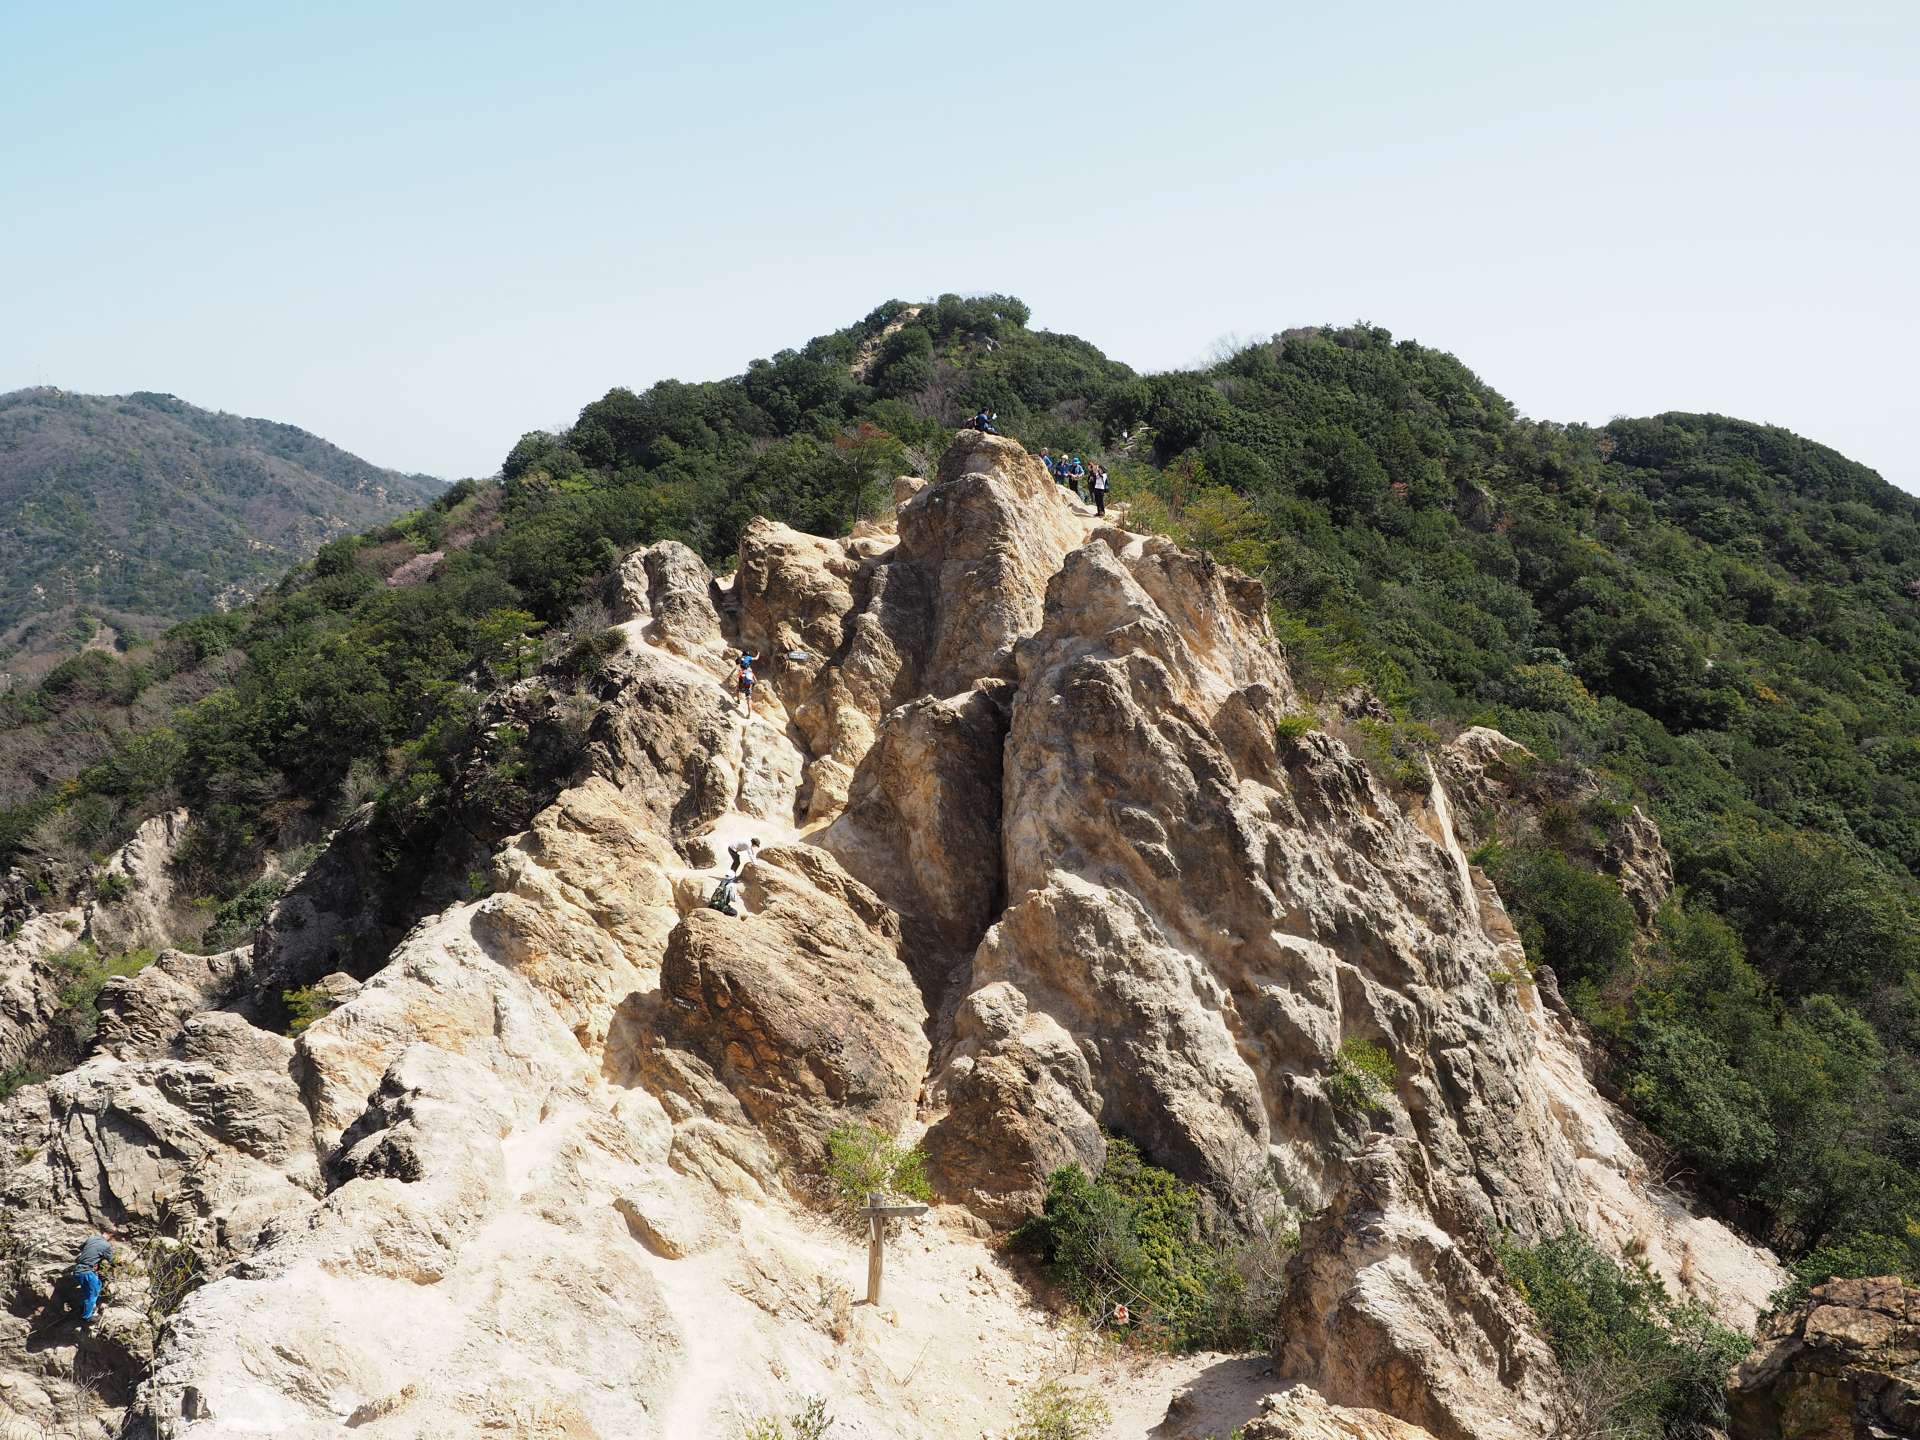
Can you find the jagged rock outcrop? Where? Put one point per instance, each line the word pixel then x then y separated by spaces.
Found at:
pixel 1040 862
pixel 802 1010
pixel 125 907
pixel 1492 775
pixel 1844 1364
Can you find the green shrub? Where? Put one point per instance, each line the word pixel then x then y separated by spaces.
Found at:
pixel 1639 1365
pixel 1296 725
pixel 306 1006
pixel 1397 751
pixel 1568 917
pixel 17 1077
pixel 85 973
pixel 1050 1410
pixel 1852 1258
pixel 1363 1077
pixel 863 1161
pixel 235 922
pixel 1132 1236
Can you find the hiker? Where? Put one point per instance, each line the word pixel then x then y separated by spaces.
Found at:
pixel 1100 490
pixel 1046 462
pixel 983 422
pixel 743 854
pixel 726 895
pixel 1076 472
pixel 743 681
pixel 83 1283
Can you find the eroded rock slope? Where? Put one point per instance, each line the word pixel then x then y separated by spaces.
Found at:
pixel 1041 863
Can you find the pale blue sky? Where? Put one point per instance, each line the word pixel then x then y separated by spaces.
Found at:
pixel 420 230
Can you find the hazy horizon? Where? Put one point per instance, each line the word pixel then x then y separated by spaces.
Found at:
pixel 420 235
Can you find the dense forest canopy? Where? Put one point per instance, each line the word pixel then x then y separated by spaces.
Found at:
pixel 1720 617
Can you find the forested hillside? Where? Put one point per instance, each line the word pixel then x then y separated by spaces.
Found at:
pixel 1720 616
pixel 142 507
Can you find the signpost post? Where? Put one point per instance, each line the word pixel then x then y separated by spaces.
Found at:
pixel 878 1212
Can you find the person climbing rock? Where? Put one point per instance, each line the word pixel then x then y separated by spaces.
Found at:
pixel 1099 490
pixel 743 853
pixel 743 681
pixel 726 894
pixel 83 1283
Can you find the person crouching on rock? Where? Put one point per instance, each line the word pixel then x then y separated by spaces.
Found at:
pixel 83 1284
pixel 743 681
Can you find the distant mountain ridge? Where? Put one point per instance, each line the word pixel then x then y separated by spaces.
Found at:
pixel 147 506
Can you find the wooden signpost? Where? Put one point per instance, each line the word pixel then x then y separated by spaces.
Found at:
pixel 878 1212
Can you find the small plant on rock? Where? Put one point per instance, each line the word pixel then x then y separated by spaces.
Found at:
pixel 306 1006
pixel 1296 725
pixel 810 1422
pixel 17 1077
pixel 1363 1077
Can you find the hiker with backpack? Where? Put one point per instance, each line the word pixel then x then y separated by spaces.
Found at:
pixel 983 422
pixel 82 1284
pixel 1076 473
pixel 1099 487
pixel 743 681
pixel 726 895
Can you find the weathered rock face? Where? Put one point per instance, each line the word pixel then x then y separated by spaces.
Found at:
pixel 802 1010
pixel 988 533
pixel 670 591
pixel 137 878
pixel 1843 1365
pixel 1397 1301
pixel 1040 864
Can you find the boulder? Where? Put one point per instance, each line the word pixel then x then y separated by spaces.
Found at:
pixel 1844 1364
pixel 1300 1413
pixel 669 591
pixel 801 1010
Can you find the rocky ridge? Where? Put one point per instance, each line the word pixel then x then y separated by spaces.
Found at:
pixel 1042 864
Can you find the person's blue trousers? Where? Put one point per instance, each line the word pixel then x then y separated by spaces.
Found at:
pixel 89 1292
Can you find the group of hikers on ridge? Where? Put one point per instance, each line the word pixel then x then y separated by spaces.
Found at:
pixel 1089 482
